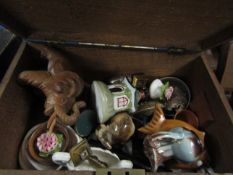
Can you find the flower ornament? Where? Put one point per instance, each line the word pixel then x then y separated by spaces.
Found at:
pixel 160 90
pixel 49 143
pixel 168 92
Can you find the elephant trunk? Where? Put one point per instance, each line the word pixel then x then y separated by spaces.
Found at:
pixel 69 119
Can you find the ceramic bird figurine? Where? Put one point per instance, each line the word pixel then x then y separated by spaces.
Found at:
pixel 60 86
pixel 177 144
pixel 159 123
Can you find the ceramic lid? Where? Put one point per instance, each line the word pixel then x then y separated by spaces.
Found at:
pixel 153 23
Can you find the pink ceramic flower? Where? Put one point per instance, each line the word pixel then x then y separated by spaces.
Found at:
pixel 169 92
pixel 47 142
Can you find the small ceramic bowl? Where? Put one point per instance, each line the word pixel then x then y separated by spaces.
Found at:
pixel 175 104
pixel 42 128
pixel 28 163
pixel 188 116
pixel 25 160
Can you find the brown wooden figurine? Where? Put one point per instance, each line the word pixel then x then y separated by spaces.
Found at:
pixel 60 86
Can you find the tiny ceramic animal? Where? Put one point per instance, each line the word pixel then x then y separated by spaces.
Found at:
pixel 60 86
pixel 158 123
pixel 179 144
pixel 120 129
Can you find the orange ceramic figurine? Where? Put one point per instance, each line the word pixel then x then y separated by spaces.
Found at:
pixel 159 123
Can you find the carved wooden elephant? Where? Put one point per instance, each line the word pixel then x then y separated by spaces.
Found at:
pixel 60 86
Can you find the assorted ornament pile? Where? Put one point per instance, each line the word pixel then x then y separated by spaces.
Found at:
pixel 129 121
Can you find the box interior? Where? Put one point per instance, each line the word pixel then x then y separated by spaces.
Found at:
pixel 21 106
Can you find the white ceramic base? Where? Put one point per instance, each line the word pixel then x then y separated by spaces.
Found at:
pixel 106 156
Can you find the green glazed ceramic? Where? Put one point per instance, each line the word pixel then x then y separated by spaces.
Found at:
pixel 86 123
pixel 114 98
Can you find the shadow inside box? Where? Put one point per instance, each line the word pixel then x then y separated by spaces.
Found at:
pixel 5 37
pixel 8 47
pixel 229 96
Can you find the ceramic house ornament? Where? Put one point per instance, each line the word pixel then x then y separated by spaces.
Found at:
pixel 103 101
pixel 113 98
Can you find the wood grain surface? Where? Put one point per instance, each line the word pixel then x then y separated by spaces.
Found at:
pixel 159 23
pixel 227 76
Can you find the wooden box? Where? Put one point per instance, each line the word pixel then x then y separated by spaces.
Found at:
pixel 163 23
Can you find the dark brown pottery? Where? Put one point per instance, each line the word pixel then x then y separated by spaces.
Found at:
pixel 188 116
